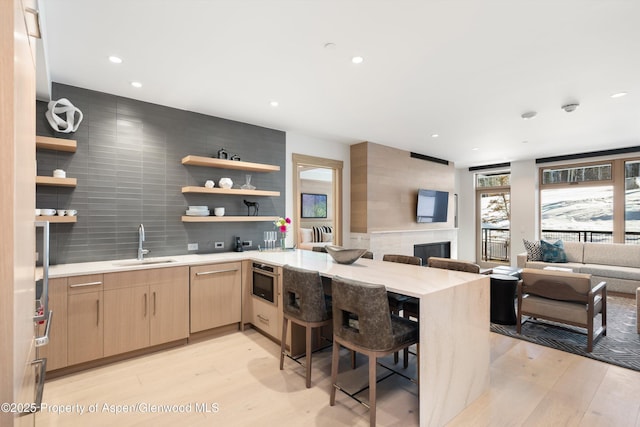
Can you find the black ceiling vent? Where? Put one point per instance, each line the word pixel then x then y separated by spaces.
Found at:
pixel 429 158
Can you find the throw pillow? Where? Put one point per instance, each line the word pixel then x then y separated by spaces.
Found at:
pixel 534 252
pixel 306 235
pixel 327 237
pixel 553 252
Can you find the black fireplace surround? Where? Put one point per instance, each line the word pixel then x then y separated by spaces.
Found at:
pixel 427 250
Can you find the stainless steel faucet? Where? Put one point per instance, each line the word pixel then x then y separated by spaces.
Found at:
pixel 141 251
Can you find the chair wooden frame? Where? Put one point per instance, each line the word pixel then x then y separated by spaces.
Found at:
pixel 553 288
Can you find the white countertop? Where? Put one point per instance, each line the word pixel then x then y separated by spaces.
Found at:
pixel 406 279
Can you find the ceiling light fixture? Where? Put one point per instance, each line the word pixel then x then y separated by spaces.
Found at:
pixel 115 59
pixel 136 84
pixel 475 149
pixel 435 135
pixel 619 95
pixel 528 115
pixel 570 108
pixel 274 103
pixel 357 59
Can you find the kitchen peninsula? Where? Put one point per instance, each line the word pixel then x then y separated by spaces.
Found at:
pixel 454 316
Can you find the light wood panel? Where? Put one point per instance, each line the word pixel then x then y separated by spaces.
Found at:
pixel 225 218
pixel 57 144
pixel 170 309
pixel 85 327
pixel 215 295
pixel 56 182
pixel 126 319
pixel 386 198
pixel 58 219
pixel 228 164
pixel 229 191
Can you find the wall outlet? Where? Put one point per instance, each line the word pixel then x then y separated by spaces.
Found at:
pixel 247 243
pixel 218 245
pixel 192 246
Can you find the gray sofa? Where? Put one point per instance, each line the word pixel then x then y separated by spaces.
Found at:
pixel 617 264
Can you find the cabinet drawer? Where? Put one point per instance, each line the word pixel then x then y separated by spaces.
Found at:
pixel 84 284
pixel 265 317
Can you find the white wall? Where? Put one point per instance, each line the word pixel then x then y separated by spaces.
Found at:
pixel 524 209
pixel 313 146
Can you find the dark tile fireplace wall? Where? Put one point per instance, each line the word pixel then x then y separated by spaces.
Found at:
pixel 426 250
pixel 129 172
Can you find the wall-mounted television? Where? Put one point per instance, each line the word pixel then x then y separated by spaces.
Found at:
pixel 313 205
pixel 433 206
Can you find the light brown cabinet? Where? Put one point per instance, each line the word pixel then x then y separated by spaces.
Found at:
pixel 145 308
pixel 56 350
pixel 85 325
pixel 215 295
pixel 267 316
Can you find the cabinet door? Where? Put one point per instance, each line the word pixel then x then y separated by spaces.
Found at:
pixel 126 319
pixel 56 350
pixel 215 295
pixel 169 315
pixel 85 327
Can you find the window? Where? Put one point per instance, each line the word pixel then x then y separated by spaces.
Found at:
pixel 591 202
pixel 632 202
pixel 494 216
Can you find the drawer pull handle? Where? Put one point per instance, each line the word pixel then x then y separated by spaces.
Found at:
pixel 80 285
pixel 205 273
pixel 264 319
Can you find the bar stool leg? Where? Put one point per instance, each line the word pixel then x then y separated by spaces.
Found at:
pixel 372 390
pixel 309 353
pixel 283 341
pixel 334 371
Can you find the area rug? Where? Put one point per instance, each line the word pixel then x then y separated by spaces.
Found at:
pixel 621 345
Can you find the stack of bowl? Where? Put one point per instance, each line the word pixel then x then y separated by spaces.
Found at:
pixel 198 211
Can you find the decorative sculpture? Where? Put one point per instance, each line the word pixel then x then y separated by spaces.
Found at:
pixel 222 154
pixel 255 205
pixel 59 107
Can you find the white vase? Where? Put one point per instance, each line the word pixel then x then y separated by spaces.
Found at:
pixel 225 183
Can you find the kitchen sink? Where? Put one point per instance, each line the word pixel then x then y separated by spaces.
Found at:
pixel 150 261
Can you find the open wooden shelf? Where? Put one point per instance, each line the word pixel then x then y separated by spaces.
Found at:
pixel 186 218
pixel 228 164
pixel 230 191
pixel 58 219
pixel 56 182
pixel 57 144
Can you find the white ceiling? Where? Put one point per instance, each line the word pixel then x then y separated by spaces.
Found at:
pixel 464 69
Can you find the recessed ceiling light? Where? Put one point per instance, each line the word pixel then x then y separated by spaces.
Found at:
pixel 136 84
pixel 274 103
pixel 115 59
pixel 357 59
pixel 475 149
pixel 435 135
pixel 528 115
pixel 619 95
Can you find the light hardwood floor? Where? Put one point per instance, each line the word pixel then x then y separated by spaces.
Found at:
pixel 237 375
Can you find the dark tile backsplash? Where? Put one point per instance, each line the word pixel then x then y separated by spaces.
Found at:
pixel 128 168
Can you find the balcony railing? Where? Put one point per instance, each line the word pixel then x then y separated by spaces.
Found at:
pixel 496 241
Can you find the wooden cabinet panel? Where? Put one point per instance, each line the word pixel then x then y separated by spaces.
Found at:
pixel 266 318
pixel 56 350
pixel 215 295
pixel 85 327
pixel 145 307
pixel 126 319
pixel 169 319
pixel 85 318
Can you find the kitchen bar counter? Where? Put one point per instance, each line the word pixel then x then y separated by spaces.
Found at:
pixel 454 317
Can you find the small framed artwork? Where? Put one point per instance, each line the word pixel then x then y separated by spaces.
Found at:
pixel 313 205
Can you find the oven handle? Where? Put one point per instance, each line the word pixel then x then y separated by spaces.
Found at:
pixel 265 273
pixel 205 273
pixel 36 406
